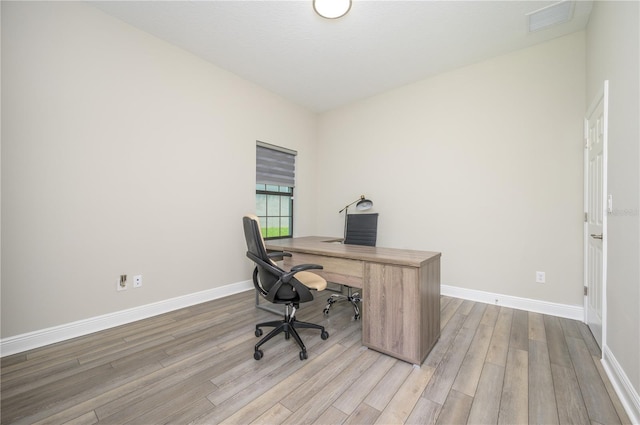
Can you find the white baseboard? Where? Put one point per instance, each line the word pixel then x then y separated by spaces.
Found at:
pixel 31 340
pixel 628 395
pixel 574 312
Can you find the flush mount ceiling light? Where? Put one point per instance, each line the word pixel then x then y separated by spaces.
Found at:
pixel 331 9
pixel 554 14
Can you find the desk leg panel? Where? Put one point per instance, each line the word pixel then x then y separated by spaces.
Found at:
pixel 392 313
pixel 430 306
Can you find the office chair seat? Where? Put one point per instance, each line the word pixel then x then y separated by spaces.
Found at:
pixel 280 287
pixel 312 280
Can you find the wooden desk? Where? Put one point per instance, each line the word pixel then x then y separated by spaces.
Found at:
pixel 401 290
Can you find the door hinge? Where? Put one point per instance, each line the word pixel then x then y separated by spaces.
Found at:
pixel 585 217
pixel 586 291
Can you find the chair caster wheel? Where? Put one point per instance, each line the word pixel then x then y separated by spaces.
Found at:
pixel 326 311
pixel 258 332
pixel 303 355
pixel 286 335
pixel 258 354
pixel 324 335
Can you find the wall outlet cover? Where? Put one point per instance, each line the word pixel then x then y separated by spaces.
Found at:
pixel 121 284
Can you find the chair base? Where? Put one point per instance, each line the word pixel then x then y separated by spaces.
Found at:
pixel 355 299
pixel 288 325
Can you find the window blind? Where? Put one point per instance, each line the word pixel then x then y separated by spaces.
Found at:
pixel 275 165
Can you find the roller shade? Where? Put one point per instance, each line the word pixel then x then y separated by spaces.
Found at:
pixel 275 165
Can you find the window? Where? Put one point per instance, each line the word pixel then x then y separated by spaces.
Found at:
pixel 275 180
pixel 274 207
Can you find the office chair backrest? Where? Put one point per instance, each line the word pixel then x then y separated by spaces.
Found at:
pixel 253 236
pixel 269 273
pixel 362 229
pixel 255 246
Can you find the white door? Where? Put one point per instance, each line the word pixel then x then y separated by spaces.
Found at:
pixel 596 122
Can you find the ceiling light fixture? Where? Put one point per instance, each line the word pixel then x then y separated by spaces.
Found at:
pixel 332 9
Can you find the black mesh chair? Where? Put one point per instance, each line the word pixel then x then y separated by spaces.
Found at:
pixel 280 287
pixel 362 229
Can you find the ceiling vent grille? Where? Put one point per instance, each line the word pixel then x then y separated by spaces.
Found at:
pixel 548 16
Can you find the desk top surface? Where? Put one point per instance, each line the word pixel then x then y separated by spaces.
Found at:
pixel 332 247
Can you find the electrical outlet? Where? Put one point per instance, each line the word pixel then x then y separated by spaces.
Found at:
pixel 122 283
pixel 137 281
pixel 540 277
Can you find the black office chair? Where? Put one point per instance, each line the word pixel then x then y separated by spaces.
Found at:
pixel 362 229
pixel 280 287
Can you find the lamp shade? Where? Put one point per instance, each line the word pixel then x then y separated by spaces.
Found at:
pixel 364 204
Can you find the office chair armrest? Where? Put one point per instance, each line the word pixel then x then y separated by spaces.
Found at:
pixel 302 267
pixel 279 255
pixel 299 268
pixel 286 278
pixel 275 270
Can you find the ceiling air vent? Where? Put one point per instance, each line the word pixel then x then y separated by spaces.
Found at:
pixel 548 16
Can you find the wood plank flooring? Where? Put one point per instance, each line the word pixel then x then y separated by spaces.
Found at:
pixel 492 365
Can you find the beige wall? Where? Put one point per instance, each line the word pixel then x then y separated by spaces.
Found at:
pixel 613 53
pixel 123 154
pixel 483 164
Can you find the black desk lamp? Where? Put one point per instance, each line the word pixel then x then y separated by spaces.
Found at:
pixel 363 204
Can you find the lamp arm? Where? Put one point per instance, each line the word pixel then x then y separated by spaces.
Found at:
pixel 357 200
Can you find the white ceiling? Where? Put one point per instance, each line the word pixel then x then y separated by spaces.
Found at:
pixel 322 64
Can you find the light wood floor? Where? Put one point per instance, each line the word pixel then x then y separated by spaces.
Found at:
pixel 491 365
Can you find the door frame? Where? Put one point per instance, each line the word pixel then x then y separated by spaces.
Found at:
pixel 602 95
